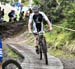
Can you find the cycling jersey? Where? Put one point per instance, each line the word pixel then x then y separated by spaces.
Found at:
pixel 37 21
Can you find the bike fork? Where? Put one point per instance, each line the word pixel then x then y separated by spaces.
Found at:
pixel 40 54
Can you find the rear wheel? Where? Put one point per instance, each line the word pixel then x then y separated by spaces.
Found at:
pixel 11 64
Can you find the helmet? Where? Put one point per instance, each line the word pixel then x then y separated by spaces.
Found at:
pixel 35 9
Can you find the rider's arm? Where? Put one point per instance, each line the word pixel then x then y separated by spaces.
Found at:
pixel 50 24
pixel 29 23
pixel 48 21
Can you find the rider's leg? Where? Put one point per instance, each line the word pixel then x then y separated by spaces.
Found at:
pixel 36 40
pixel 36 43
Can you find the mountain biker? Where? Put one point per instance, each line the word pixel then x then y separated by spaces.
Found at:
pixel 37 19
pixel 0 15
pixel 28 12
pixel 12 16
pixel 21 15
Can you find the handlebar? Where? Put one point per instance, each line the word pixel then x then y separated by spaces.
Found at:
pixel 46 31
pixel 41 33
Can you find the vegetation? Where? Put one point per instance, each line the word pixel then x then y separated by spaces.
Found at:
pixel 62 13
pixel 12 1
pixel 12 54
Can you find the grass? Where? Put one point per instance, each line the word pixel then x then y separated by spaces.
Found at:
pixel 60 44
pixel 61 54
pixel 12 54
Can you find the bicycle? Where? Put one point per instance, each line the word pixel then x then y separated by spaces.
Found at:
pixel 42 47
pixel 11 64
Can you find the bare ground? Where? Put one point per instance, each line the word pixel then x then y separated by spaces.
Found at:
pixel 68 63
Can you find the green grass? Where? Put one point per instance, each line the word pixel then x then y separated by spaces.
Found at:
pixel 12 54
pixel 61 54
pixel 60 43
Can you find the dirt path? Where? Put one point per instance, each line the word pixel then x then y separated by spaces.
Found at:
pixel 31 58
pixel 32 61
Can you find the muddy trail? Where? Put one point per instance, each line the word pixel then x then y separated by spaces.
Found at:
pixel 9 29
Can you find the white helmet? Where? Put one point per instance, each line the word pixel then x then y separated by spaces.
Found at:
pixel 35 9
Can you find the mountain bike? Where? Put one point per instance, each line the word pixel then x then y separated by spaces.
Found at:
pixel 42 47
pixel 11 64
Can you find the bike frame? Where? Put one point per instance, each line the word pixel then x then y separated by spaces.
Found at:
pixel 42 39
pixel 43 47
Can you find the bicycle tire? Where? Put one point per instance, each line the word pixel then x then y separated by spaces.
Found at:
pixel 46 58
pixel 40 53
pixel 10 61
pixel 44 48
pixel 44 45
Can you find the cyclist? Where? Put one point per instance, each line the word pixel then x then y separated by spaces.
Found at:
pixel 28 12
pixel 37 19
pixel 21 15
pixel 12 16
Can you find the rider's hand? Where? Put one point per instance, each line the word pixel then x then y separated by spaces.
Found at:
pixel 30 31
pixel 50 29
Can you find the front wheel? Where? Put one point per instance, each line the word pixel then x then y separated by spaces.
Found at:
pixel 44 48
pixel 11 64
pixel 40 53
pixel 46 58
